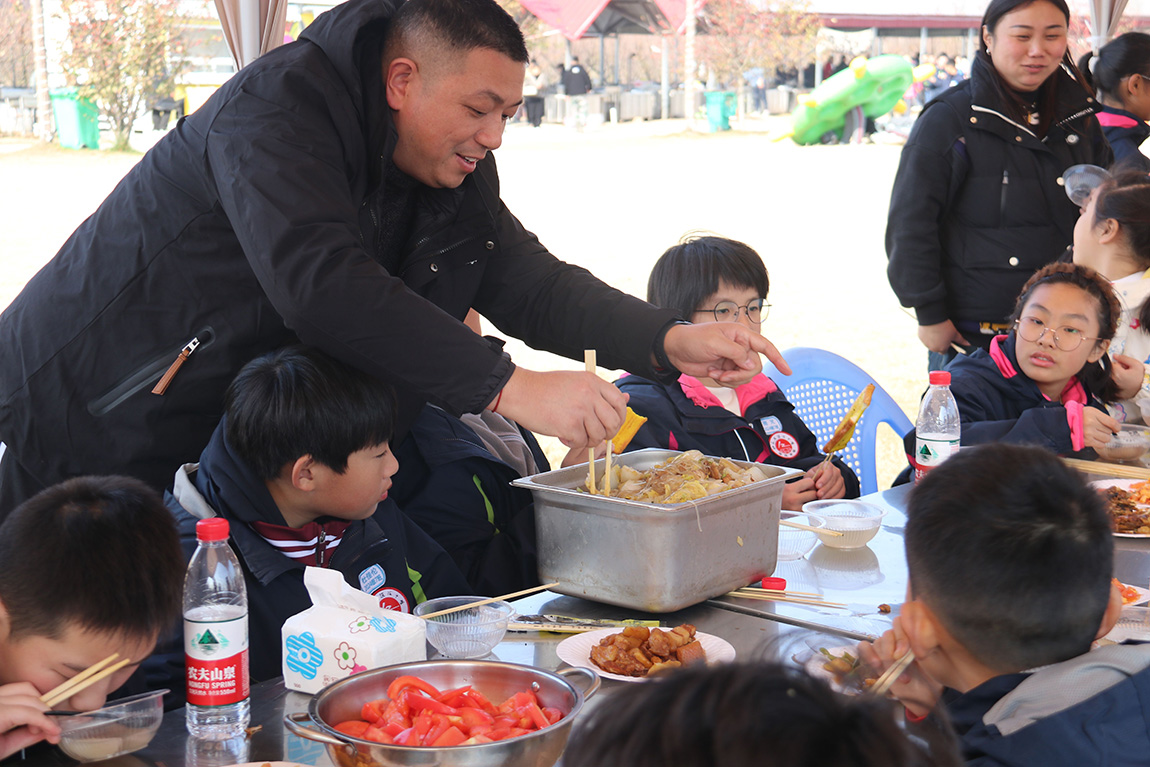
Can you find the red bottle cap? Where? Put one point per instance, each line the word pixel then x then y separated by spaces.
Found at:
pixel 214 529
pixel 939 378
pixel 774 584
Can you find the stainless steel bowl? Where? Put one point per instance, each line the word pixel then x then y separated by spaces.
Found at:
pixel 344 699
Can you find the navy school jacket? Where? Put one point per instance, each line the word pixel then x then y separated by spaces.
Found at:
pixel 683 415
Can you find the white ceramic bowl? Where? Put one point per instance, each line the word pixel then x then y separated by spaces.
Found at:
pixel 858 521
pixel 471 633
pixel 1129 444
pixel 125 726
pixel 795 543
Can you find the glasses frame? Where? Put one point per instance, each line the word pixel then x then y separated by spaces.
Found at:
pixel 764 310
pixel 1053 334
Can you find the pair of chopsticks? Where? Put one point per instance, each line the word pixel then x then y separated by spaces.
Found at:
pixel 83 680
pixel 1108 469
pixel 469 605
pixel 893 672
pixel 800 526
pixel 590 364
pixel 773 595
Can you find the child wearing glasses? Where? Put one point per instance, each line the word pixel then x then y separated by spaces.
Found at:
pixel 714 279
pixel 1112 236
pixel 1045 383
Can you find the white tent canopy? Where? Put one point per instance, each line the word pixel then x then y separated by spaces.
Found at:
pixel 252 27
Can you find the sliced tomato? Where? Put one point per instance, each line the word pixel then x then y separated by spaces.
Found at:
pixel 517 701
pixel 393 728
pixel 406 738
pixel 475 740
pixel 373 710
pixel 452 736
pixel 536 715
pixel 421 725
pixel 399 684
pixel 500 733
pixel 553 714
pixel 353 727
pixel 454 697
pixel 479 698
pixel 417 702
pixel 474 717
pixel 376 734
pixel 439 725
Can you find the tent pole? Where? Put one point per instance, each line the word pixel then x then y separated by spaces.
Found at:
pixel 665 75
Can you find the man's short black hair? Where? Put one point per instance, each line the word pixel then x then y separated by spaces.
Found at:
pixel 100 553
pixel 689 272
pixel 1013 552
pixel 462 25
pixel 299 401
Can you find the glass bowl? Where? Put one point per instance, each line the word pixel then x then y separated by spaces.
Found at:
pixel 123 726
pixel 795 543
pixel 1129 444
pixel 470 633
pixel 858 521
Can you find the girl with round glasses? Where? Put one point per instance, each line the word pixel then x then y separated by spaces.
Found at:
pixel 1120 74
pixel 714 279
pixel 1047 381
pixel 1112 236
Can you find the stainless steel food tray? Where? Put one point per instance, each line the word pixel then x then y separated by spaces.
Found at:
pixel 649 556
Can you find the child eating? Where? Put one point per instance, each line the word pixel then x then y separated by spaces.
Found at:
pixel 1045 383
pixel 88 568
pixel 1010 555
pixel 714 279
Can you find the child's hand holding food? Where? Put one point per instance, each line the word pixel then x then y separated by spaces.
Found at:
pixel 1098 427
pixel 829 482
pixel 914 689
pixel 22 719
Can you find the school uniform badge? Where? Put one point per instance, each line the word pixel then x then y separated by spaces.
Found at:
pixel 393 599
pixel 372 579
pixel 771 424
pixel 784 445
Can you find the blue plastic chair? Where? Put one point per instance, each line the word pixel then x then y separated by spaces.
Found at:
pixel 822 389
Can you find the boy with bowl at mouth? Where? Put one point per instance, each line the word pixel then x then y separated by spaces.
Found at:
pixel 300 466
pixel 1010 557
pixel 88 568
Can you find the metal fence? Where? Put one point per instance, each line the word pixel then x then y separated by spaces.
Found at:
pixel 17 113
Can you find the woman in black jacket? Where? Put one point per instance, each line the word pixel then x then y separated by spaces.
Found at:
pixel 978 203
pixel 1121 75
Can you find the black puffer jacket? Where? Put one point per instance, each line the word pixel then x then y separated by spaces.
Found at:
pixel 251 226
pixel 978 204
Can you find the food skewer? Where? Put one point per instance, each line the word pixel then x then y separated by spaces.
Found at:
pixel 768 597
pixel 846 428
pixel 607 468
pixel 589 363
pixel 502 598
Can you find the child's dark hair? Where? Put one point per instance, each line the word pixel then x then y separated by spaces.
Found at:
pixel 1096 375
pixel 1048 100
pixel 299 401
pixel 1125 197
pixel 1126 55
pixel 101 553
pixel 740 715
pixel 1013 552
pixel 462 25
pixel 689 272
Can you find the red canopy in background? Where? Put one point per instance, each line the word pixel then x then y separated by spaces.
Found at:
pixel 575 18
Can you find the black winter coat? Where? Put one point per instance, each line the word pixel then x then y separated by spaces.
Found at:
pixel 978 203
pixel 251 226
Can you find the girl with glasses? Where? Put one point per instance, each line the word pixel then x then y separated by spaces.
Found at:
pixel 1112 237
pixel 1046 382
pixel 714 279
pixel 1119 74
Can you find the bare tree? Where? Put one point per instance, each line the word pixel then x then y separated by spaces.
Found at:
pixel 120 56
pixel 15 43
pixel 741 35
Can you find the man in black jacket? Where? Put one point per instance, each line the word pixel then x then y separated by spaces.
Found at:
pixel 321 197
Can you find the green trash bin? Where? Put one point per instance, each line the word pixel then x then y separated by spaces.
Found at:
pixel 77 119
pixel 720 110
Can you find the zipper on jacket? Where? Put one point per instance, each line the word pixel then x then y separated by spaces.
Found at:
pixel 320 545
pixel 1002 196
pixel 142 378
pixel 166 380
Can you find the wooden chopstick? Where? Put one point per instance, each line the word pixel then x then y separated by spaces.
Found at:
pixel 800 526
pixel 589 364
pixel 891 675
pixel 83 680
pixel 1108 469
pixel 469 605
pixel 786 592
pixel 783 598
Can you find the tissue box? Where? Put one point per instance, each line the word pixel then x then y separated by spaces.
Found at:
pixel 345 631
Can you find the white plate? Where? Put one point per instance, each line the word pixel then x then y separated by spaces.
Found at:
pixel 1143 595
pixel 576 651
pixel 1123 484
pixel 812 661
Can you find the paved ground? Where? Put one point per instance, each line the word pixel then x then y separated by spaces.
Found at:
pixel 612 199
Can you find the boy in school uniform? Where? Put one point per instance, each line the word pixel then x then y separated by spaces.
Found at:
pixel 301 467
pixel 1010 555
pixel 88 568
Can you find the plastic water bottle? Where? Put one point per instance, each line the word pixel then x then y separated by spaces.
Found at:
pixel 937 430
pixel 216 637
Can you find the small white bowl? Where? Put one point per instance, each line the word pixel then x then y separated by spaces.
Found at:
pixel 1129 444
pixel 793 542
pixel 470 633
pixel 121 727
pixel 858 521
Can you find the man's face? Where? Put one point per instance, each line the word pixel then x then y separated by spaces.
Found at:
pixel 450 114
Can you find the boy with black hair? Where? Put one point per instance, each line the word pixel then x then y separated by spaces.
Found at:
pixel 1010 555
pixel 301 467
pixel 88 568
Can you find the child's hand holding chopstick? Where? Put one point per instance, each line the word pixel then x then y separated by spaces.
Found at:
pixel 22 719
